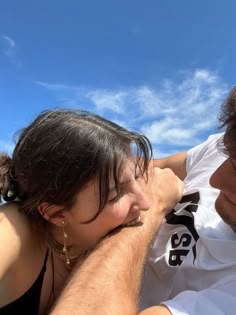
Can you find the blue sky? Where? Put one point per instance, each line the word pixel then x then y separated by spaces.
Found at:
pixel 158 66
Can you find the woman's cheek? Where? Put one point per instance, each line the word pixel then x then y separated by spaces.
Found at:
pixel 122 209
pixel 119 211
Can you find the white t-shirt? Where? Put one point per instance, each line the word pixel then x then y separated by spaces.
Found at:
pixel 191 266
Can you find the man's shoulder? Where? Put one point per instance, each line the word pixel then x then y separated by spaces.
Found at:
pixel 206 153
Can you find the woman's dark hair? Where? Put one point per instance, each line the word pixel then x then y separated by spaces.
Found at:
pixel 60 152
pixel 227 120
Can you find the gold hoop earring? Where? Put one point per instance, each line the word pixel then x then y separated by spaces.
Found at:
pixel 64 249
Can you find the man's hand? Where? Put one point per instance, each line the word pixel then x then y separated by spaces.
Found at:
pixel 165 187
pixel 165 190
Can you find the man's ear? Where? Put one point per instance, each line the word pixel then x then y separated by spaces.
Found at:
pixel 52 213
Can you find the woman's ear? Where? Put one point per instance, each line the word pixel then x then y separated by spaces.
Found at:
pixel 52 213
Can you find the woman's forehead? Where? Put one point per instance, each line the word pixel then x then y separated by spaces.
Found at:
pixel 126 169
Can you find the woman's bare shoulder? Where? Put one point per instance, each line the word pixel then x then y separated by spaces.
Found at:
pixel 11 211
pixel 10 216
pixel 14 235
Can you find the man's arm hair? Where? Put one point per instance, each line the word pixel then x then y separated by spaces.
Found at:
pixel 108 281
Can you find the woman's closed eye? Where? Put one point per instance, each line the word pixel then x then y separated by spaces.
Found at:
pixel 115 197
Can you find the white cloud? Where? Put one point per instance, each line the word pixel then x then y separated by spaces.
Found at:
pixel 8 45
pixel 108 100
pixel 8 48
pixel 55 86
pixel 175 114
pixel 10 41
pixel 167 131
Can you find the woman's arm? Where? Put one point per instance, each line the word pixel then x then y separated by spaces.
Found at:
pixel 12 233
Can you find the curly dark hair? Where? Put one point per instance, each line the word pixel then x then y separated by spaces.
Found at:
pixel 227 120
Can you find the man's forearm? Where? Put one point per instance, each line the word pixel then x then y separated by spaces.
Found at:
pixel 109 280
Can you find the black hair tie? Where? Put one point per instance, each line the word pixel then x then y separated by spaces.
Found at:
pixel 10 195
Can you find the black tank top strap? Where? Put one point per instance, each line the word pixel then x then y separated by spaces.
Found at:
pixel 45 261
pixel 28 303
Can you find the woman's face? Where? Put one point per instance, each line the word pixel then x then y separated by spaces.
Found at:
pixel 121 209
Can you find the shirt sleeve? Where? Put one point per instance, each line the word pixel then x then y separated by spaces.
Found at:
pixel 197 153
pixel 217 300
